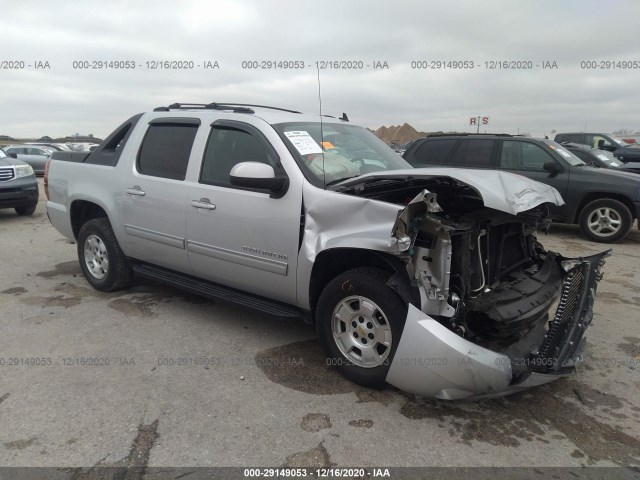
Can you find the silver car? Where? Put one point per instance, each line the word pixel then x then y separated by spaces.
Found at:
pixel 431 280
pixel 33 155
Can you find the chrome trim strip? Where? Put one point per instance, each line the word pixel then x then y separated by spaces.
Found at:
pixel 172 241
pixel 240 258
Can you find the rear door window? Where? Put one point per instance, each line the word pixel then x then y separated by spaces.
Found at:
pixel 473 153
pixel 432 152
pixel 165 150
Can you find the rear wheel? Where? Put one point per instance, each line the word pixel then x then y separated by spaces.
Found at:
pixel 25 211
pixel 360 320
pixel 102 261
pixel 605 220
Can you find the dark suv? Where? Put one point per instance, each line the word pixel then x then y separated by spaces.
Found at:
pixel 603 202
pixel 18 185
pixel 626 152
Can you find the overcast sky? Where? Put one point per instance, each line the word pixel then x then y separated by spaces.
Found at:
pixel 62 100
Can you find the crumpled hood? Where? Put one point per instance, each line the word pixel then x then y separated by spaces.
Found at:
pixel 503 191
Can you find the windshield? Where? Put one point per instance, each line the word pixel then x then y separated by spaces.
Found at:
pixel 2 154
pixel 568 157
pixel 340 152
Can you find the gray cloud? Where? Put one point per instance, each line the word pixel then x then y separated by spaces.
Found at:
pixel 62 100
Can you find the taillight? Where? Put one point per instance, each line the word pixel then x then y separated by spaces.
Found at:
pixel 46 178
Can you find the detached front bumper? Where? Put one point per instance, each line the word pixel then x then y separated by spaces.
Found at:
pixel 433 361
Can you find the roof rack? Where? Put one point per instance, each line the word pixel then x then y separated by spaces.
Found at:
pixel 235 107
pixel 468 134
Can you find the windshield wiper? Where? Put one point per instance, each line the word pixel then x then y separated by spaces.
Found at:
pixel 372 181
pixel 333 182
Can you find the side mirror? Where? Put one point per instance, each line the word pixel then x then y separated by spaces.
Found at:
pixel 13 155
pixel 258 175
pixel 552 167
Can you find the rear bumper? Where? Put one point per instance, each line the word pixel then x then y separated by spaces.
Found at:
pixel 433 361
pixel 60 219
pixel 20 192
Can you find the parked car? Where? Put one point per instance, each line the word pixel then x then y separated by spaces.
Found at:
pixel 18 185
pixel 431 280
pixel 60 147
pixel 603 202
pixel 595 157
pixel 626 152
pixel 33 155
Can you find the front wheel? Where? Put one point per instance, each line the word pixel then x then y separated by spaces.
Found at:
pixel 605 220
pixel 102 261
pixel 360 319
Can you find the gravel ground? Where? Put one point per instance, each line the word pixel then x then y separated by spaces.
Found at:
pixel 254 391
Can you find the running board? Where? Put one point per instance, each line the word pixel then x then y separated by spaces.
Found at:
pixel 218 292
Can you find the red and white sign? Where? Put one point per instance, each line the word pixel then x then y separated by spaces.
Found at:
pixel 475 121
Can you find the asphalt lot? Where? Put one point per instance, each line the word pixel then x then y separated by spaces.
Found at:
pixel 253 391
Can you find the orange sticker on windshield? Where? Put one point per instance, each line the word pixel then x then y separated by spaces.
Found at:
pixel 327 145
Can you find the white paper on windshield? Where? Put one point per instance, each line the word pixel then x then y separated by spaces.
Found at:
pixel 603 157
pixel 303 142
pixel 564 153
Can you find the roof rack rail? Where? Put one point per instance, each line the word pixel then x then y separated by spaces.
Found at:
pixel 202 106
pixel 235 107
pixel 228 104
pixel 465 134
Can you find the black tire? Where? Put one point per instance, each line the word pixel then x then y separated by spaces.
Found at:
pixel 367 283
pixel 118 273
pixel 609 232
pixel 26 211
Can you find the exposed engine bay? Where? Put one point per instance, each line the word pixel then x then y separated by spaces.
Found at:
pixel 483 275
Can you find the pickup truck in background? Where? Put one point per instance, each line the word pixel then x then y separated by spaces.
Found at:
pixel 431 280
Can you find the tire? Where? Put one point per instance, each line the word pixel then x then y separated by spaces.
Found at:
pixel 605 220
pixel 377 312
pixel 103 263
pixel 26 211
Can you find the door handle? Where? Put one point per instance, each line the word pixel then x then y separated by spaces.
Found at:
pixel 203 203
pixel 136 190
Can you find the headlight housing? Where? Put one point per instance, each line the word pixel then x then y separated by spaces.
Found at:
pixel 23 170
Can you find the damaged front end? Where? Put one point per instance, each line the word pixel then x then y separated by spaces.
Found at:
pixel 487 287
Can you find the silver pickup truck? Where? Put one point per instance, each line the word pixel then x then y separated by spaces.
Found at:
pixel 431 280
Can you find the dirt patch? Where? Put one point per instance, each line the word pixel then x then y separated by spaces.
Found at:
pixel 526 417
pixel 577 454
pixel 20 444
pixel 15 291
pixel 626 284
pixel 361 423
pixel 66 268
pixel 4 397
pixel 57 301
pixel 78 291
pixel 302 366
pixel 379 396
pixel 317 457
pixel 631 347
pixel 314 422
pixel 135 307
pixel 131 467
pixel 610 297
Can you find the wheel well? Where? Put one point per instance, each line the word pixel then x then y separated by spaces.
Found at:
pixel 331 263
pixel 590 197
pixel 81 211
